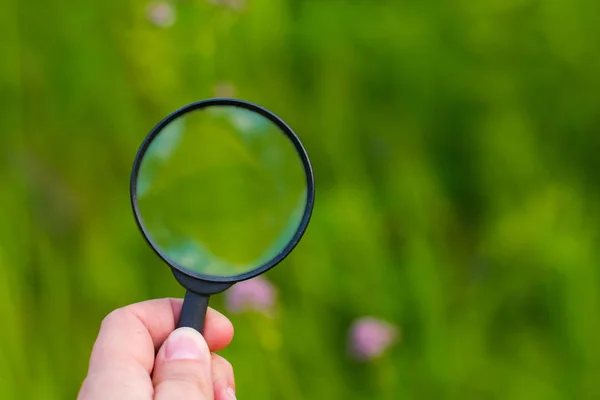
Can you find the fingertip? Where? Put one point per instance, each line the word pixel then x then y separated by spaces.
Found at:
pixel 218 331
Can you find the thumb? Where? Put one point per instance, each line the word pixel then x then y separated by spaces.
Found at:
pixel 182 369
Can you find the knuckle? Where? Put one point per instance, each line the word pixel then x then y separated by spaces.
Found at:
pixel 223 375
pixel 112 317
pixel 222 363
pixel 184 371
pixel 187 384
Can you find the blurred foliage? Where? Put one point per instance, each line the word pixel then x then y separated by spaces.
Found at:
pixel 456 151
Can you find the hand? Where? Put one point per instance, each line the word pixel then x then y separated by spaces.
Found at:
pixel 123 365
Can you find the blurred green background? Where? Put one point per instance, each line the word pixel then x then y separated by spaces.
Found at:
pixel 457 157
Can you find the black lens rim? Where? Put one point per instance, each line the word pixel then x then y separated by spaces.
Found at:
pixel 299 149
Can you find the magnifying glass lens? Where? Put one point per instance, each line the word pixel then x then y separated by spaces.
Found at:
pixel 220 191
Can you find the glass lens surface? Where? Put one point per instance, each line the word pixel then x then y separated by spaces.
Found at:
pixel 221 191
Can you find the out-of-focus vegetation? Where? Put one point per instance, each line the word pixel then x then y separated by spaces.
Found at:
pixel 457 158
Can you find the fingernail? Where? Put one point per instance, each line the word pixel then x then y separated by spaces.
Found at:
pixel 231 393
pixel 185 344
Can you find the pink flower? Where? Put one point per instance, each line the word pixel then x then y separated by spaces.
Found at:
pixel 161 14
pixel 256 294
pixel 370 337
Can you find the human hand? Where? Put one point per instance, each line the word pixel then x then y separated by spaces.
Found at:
pixel 123 365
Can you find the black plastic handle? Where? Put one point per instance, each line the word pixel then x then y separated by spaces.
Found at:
pixel 193 312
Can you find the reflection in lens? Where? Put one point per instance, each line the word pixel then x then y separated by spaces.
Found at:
pixel 221 191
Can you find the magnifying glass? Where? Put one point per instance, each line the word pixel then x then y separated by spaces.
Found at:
pixel 222 191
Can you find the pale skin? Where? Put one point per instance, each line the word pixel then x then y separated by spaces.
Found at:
pixel 139 355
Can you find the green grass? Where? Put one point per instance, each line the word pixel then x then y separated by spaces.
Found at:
pixel 456 153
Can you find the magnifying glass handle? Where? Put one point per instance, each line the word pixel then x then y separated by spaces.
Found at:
pixel 193 312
